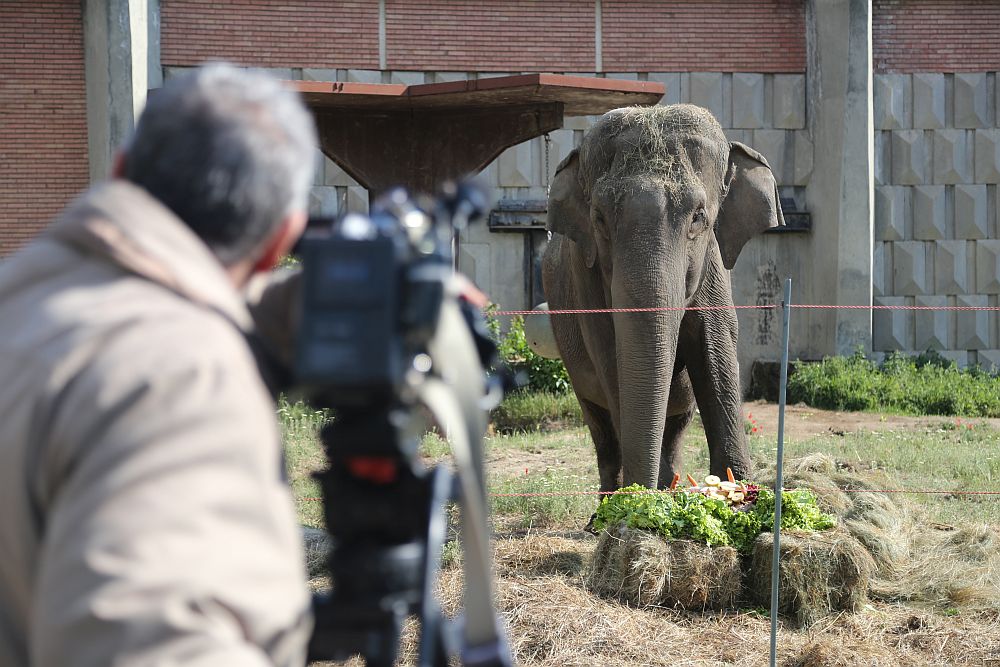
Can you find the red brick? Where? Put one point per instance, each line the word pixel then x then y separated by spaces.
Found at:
pixel 43 114
pixel 935 35
pixel 342 34
pixel 704 35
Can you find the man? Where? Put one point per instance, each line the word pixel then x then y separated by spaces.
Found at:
pixel 143 516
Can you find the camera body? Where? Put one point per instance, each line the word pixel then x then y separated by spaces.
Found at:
pixel 372 291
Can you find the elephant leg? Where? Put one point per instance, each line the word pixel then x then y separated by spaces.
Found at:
pixel 673 446
pixel 709 343
pixel 609 451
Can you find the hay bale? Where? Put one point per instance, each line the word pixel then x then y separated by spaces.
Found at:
pixel 818 572
pixel 645 570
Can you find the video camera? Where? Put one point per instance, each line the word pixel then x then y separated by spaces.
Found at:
pixel 384 340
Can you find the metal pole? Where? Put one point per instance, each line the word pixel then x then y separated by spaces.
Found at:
pixel 786 307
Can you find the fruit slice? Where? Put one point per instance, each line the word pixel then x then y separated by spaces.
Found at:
pixel 729 486
pixel 712 480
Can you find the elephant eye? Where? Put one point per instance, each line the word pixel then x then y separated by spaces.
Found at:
pixel 699 222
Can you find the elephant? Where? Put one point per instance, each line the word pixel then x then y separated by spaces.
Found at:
pixel 651 212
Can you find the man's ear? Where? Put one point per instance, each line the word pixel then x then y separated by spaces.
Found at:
pixel 281 241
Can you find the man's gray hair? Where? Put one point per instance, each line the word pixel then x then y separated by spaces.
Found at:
pixel 231 152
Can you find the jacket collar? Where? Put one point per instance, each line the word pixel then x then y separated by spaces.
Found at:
pixel 122 224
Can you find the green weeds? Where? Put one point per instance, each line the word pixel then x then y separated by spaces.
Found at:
pixel 923 385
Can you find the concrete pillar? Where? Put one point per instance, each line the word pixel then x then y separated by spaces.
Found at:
pixel 121 48
pixel 840 193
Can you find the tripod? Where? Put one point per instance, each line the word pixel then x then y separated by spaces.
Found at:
pixel 386 514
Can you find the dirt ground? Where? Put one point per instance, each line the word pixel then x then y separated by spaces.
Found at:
pixel 802 421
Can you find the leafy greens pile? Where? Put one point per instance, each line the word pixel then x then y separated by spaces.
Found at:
pixel 694 516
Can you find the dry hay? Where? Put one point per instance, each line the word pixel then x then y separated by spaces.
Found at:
pixel 818 572
pixel 553 620
pixel 916 561
pixel 649 142
pixel 644 570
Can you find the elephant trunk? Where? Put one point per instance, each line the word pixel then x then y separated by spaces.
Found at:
pixel 646 347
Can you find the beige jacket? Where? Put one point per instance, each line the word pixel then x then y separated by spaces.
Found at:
pixel 143 516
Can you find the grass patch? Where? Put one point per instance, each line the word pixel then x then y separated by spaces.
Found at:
pixel 534 411
pixel 938 457
pixel 923 385
pixel 543 511
pixel 300 425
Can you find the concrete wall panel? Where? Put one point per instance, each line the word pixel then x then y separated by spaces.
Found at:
pixel 990 360
pixel 407 78
pixel 893 102
pixel 970 212
pixel 880 267
pixel 883 157
pixel 891 329
pixel 773 145
pixel 952 157
pixel 748 100
pixel 706 89
pixel 988 267
pixel 324 200
pixel 910 272
pixel 803 158
pixel 929 212
pixel 951 268
pixel 559 147
pixel 320 74
pixel 891 211
pixel 514 166
pixel 356 199
pixel 332 174
pixel 364 76
pixel 928 101
pixel 972 100
pixel 672 82
pixel 930 327
pixel 987 152
pixel 909 155
pixel 972 327
pixel 789 101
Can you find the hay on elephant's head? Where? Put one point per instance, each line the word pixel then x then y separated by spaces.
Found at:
pixel 643 569
pixel 818 572
pixel 650 143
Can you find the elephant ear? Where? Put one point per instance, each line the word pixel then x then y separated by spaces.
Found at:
pixel 751 203
pixel 569 212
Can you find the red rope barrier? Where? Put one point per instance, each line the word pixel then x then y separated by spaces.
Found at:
pixel 570 494
pixel 773 306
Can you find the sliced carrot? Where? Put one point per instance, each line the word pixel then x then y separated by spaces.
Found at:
pixel 729 474
pixel 677 478
pixel 693 481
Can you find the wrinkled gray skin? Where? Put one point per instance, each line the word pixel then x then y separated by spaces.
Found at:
pixel 652 211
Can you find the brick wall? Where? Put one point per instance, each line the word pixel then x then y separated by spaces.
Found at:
pixel 291 33
pixel 491 35
pixel 714 35
pixel 43 114
pixel 514 35
pixel 936 35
